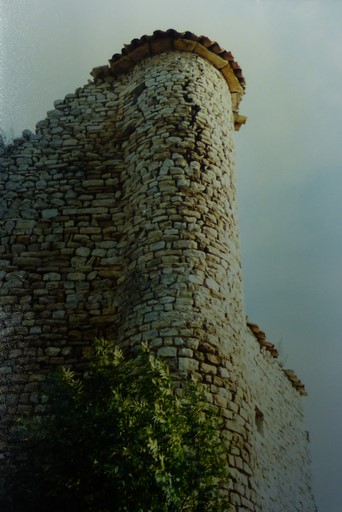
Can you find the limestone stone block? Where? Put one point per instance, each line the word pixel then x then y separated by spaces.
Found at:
pixel 167 352
pixel 49 213
pixel 186 364
pixel 208 369
pixel 52 351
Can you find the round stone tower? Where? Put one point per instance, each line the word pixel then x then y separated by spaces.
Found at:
pixel 118 219
pixel 181 286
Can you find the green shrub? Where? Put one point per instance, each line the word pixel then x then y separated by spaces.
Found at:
pixel 121 440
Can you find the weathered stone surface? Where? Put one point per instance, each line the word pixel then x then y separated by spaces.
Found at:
pixel 123 224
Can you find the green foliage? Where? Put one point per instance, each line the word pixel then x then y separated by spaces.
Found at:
pixel 121 440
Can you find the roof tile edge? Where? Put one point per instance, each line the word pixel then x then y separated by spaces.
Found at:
pixel 269 347
pixel 161 41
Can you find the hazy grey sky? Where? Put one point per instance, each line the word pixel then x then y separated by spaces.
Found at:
pixel 289 158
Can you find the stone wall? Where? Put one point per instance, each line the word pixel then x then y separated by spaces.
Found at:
pixel 118 219
pixel 282 467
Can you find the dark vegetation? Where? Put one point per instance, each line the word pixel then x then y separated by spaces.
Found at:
pixel 121 439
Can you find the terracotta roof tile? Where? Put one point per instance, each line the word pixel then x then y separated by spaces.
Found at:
pixel 161 41
pixel 172 34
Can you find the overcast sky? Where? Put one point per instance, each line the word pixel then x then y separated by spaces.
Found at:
pixel 288 158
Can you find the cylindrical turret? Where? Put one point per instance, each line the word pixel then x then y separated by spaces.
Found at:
pixel 181 287
pixel 118 219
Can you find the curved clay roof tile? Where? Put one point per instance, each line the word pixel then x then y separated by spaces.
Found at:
pixel 161 41
pixel 212 46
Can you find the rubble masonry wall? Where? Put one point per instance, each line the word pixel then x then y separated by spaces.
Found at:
pixel 118 219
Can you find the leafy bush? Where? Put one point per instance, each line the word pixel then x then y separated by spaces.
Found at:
pixel 121 440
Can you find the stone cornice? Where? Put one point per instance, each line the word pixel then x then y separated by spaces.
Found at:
pixel 163 41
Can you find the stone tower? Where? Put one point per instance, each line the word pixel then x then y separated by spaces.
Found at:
pixel 119 220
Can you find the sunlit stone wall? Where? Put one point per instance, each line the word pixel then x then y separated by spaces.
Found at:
pixel 118 219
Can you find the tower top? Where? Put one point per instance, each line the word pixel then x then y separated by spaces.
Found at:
pixel 162 41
